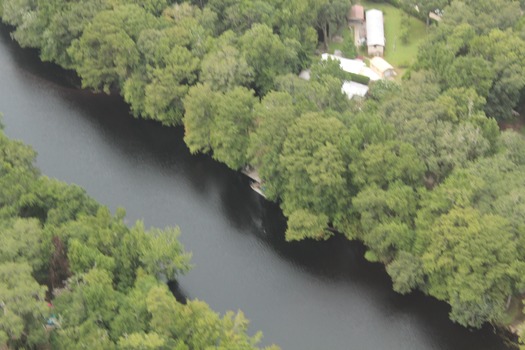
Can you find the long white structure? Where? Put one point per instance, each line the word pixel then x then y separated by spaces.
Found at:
pixel 353 66
pixel 375 32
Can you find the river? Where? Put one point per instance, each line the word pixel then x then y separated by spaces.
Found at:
pixel 307 295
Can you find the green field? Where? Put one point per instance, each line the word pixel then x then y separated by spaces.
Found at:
pixel 397 53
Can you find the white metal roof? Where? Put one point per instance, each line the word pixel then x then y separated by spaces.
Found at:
pixel 367 72
pixel 380 64
pixel 348 65
pixel 353 66
pixel 375 32
pixel 351 89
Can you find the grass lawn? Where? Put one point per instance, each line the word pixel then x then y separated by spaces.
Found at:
pixel 396 53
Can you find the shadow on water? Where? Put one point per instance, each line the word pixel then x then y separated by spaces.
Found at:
pixel 28 60
pixel 341 260
pixel 336 260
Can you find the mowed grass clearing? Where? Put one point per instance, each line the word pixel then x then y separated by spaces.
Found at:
pixel 397 53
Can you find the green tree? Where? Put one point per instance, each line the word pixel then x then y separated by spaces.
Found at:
pixel 272 117
pixel 304 224
pixel 514 146
pixel 471 72
pixel 387 219
pixel 142 341
pixel 163 254
pixel 22 242
pixel 232 124
pixel 316 95
pixel 421 119
pixel 313 166
pixel 54 202
pixel 87 335
pixel 198 120
pixel 267 55
pixel 196 26
pixel 382 164
pixel 483 15
pixel 331 17
pixel 506 52
pixel 106 53
pixel 17 174
pixel 169 85
pixel 472 263
pixel 14 11
pixel 65 26
pixel 23 307
pixel 241 15
pixel 133 316
pixel 462 104
pixel 406 272
pixel 323 69
pixel 153 6
pixel 225 68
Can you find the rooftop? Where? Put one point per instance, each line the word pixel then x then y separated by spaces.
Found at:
pixel 351 89
pixel 357 12
pixel 380 64
pixel 375 32
pixel 346 64
pixel 353 66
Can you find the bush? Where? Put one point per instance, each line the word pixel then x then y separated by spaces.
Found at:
pixel 349 49
pixel 358 78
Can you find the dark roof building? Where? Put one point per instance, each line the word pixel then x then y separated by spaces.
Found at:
pixel 356 14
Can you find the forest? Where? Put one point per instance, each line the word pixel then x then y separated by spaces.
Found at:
pixel 420 171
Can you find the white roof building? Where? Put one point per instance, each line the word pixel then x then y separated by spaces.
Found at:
pixel 382 67
pixel 353 66
pixel 367 72
pixel 375 32
pixel 346 64
pixel 380 63
pixel 351 89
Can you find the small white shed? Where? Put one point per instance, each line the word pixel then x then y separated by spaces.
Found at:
pixel 351 89
pixel 382 67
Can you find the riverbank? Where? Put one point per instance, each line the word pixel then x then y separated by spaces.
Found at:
pixel 302 295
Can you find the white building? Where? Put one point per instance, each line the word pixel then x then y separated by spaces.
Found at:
pixel 375 33
pixel 351 89
pixel 346 64
pixel 353 66
pixel 382 67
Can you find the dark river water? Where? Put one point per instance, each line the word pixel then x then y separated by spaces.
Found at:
pixel 308 295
